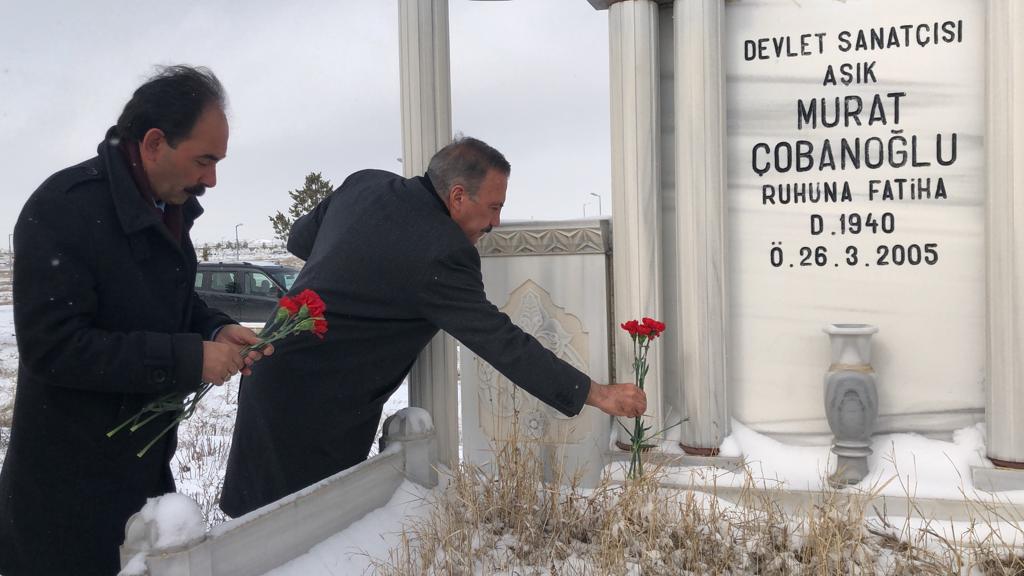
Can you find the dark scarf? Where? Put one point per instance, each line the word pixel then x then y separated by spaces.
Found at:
pixel 171 214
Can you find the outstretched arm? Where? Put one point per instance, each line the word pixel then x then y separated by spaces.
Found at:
pixel 453 298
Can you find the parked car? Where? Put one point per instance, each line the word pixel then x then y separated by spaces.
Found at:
pixel 246 291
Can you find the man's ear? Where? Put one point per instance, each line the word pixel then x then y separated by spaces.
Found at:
pixel 151 142
pixel 456 196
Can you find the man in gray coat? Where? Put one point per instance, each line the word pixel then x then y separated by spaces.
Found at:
pixel 394 260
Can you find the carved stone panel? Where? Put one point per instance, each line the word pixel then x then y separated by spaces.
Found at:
pixel 531 308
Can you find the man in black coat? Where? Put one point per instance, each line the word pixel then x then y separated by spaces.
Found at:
pixel 394 262
pixel 107 320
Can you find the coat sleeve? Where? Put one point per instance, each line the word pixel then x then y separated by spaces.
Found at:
pixel 303 233
pixel 452 297
pixel 206 320
pixel 56 307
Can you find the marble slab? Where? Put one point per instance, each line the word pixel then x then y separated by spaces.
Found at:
pixel 894 238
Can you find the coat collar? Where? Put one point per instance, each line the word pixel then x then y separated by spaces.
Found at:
pixel 131 207
pixel 429 186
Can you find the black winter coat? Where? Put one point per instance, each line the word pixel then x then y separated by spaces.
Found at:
pixel 107 319
pixel 392 268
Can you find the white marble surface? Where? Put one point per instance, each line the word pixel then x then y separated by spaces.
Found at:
pixel 930 350
pixel 561 300
pixel 426 128
pixel 633 38
pixel 1005 122
pixel 695 266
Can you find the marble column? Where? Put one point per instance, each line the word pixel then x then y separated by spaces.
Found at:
pixel 1005 225
pixel 699 223
pixel 426 128
pixel 636 255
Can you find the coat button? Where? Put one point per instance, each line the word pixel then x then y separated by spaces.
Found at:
pixel 159 375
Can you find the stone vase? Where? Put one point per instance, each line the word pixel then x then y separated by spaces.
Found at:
pixel 851 400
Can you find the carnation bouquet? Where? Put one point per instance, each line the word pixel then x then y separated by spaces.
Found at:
pixel 642 332
pixel 303 313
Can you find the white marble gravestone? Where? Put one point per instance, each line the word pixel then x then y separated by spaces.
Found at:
pixel 856 193
pixel 552 281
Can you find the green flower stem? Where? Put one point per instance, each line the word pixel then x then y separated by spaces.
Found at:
pixel 666 429
pixel 122 425
pixel 137 425
pixel 638 438
pixel 173 423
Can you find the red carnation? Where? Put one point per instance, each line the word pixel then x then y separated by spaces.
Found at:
pixel 320 327
pixel 655 327
pixel 290 305
pixel 631 327
pixel 312 302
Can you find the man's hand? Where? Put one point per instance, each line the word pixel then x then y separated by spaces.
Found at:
pixel 240 337
pixel 617 399
pixel 221 361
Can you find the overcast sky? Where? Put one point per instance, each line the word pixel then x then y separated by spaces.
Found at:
pixel 312 86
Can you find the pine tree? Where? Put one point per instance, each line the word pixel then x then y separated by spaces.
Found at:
pixel 303 202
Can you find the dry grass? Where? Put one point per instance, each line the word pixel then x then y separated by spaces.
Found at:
pixel 508 521
pixel 204 442
pixel 6 409
pixel 6 414
pixel 6 282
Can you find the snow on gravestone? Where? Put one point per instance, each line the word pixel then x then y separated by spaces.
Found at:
pixel 169 521
pixel 856 194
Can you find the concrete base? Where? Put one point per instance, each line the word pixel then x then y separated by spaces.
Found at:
pixel 798 502
pixel 730 463
pixel 997 479
pixel 851 465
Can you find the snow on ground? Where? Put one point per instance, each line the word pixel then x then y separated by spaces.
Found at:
pixel 8 374
pixel 353 550
pixel 174 519
pixel 928 468
pixel 903 464
pixel 248 251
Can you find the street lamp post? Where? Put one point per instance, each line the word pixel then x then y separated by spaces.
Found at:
pixel 236 241
pixel 584 209
pixel 600 212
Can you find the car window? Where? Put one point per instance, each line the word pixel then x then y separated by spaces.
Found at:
pixel 224 282
pixel 259 284
pixel 286 277
pixel 199 280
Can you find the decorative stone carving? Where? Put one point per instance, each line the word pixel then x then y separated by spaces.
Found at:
pixel 530 307
pixel 564 239
pixel 533 424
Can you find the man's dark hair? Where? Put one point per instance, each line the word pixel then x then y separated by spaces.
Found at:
pixel 172 101
pixel 465 161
